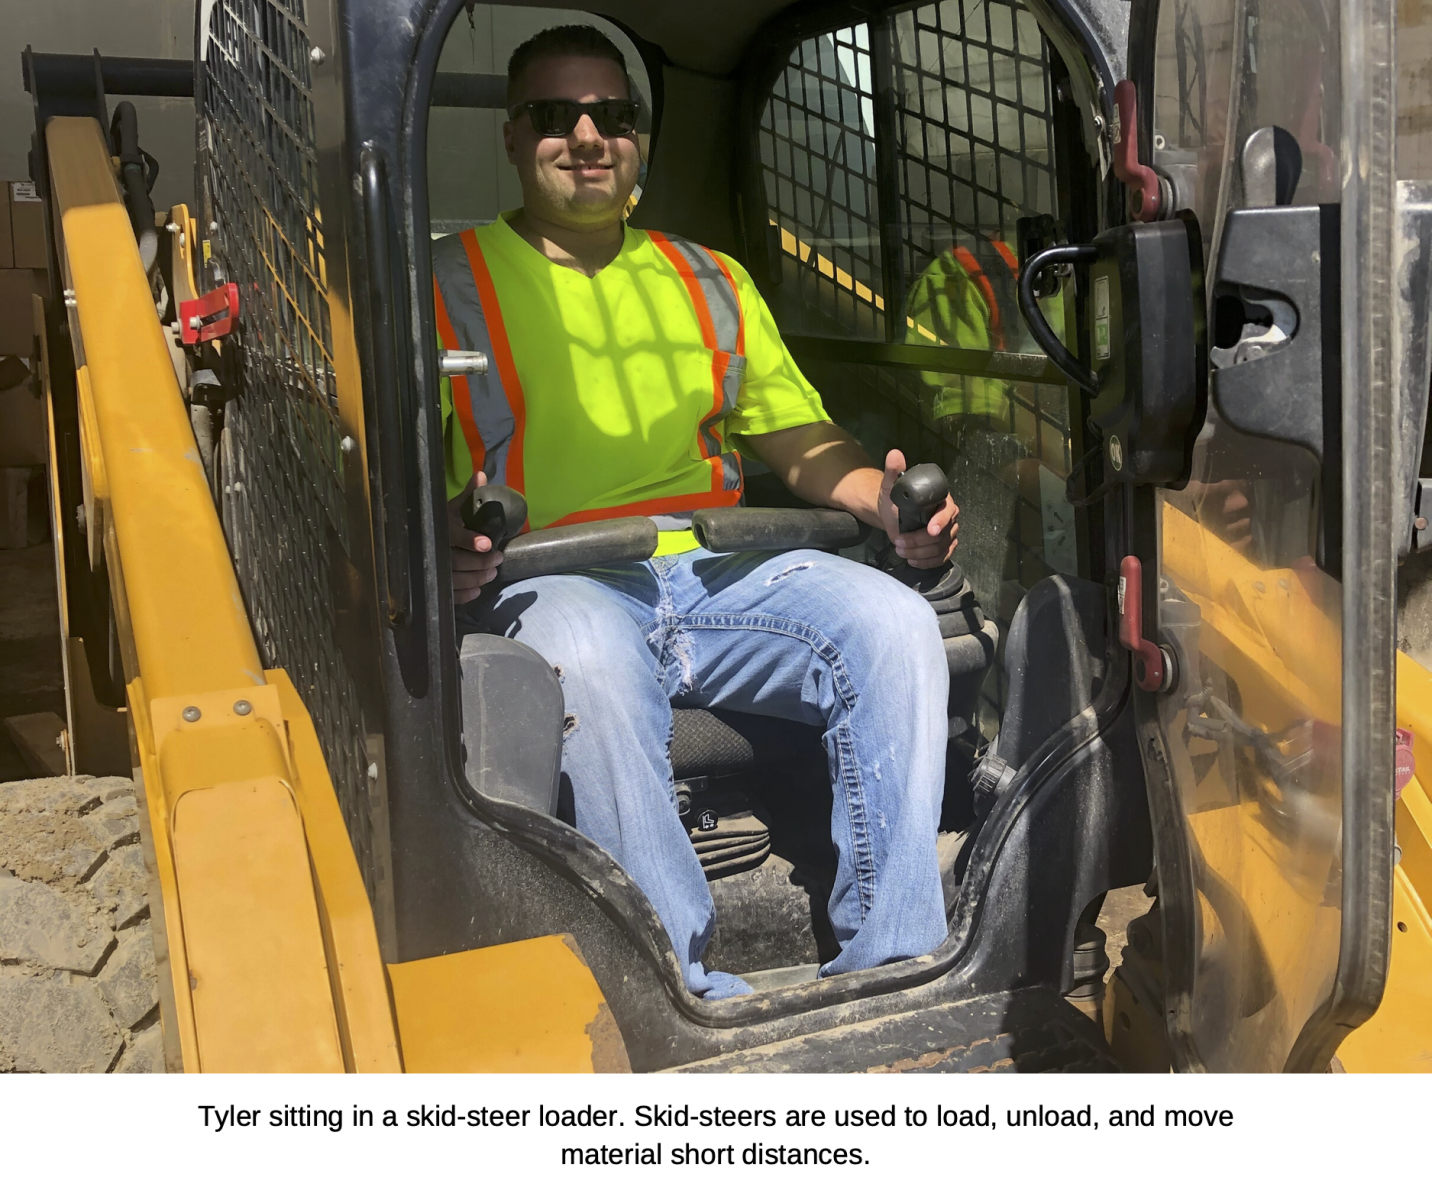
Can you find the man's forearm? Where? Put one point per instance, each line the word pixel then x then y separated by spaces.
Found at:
pixel 823 464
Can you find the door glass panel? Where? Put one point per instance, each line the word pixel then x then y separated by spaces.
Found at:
pixel 896 158
pixel 1254 725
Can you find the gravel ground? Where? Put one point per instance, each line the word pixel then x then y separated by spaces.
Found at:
pixel 78 989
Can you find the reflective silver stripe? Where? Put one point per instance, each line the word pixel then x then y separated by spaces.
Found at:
pixel 721 298
pixel 490 409
pixel 731 471
pixel 725 307
pixel 730 390
pixel 672 521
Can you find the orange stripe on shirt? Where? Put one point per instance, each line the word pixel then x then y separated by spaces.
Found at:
pixel 708 336
pixel 720 498
pixel 461 389
pixel 502 352
pixel 976 273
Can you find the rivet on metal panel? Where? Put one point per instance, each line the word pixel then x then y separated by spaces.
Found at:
pixel 243 707
pixel 191 713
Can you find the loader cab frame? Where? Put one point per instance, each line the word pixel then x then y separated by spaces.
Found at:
pixel 314 144
pixel 720 124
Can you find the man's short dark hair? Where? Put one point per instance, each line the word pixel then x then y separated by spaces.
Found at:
pixel 563 41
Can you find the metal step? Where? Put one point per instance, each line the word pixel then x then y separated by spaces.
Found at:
pixel 1032 1030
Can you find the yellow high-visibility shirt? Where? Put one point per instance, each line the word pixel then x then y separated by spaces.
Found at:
pixel 616 379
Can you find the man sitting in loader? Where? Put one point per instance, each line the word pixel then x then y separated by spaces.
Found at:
pixel 626 365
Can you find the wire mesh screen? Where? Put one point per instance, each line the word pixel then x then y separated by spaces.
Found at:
pixel 972 106
pixel 897 158
pixel 817 147
pixel 280 461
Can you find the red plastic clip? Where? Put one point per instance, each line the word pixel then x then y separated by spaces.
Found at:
pixel 1142 181
pixel 1150 671
pixel 198 319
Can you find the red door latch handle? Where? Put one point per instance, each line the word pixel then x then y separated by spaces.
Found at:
pixel 1142 182
pixel 1153 669
pixel 212 315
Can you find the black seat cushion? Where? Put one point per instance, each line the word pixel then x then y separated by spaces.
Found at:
pixel 707 741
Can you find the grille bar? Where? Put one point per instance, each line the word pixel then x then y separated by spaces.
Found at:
pixel 281 455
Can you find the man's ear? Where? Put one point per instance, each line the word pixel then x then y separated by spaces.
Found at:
pixel 509 141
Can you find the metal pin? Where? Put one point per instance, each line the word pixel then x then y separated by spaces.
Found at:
pixel 462 362
pixel 191 713
pixel 243 707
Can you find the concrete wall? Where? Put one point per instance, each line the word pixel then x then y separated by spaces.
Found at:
pixel 139 28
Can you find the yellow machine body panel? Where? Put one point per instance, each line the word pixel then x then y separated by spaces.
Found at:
pixel 529 1006
pixel 1398 1037
pixel 256 958
pixel 1269 629
pixel 266 941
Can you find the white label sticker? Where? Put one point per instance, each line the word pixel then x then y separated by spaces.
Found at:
pixel 1102 348
pixel 24 193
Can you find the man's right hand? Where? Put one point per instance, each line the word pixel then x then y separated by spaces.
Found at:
pixel 474 558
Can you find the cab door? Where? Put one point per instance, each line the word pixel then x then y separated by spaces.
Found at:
pixel 1270 755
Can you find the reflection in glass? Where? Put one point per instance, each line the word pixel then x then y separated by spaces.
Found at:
pixel 1254 723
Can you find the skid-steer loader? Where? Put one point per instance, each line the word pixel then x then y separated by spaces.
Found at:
pixel 1140 279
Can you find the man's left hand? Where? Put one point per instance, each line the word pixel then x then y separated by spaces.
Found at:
pixel 922 548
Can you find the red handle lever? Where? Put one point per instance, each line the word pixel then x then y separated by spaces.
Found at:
pixel 1142 181
pixel 1149 671
pixel 200 320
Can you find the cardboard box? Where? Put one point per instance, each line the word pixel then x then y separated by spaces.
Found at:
pixel 17 310
pixel 27 226
pixel 7 246
pixel 24 435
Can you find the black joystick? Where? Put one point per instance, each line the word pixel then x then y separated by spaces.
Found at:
pixel 918 495
pixel 495 511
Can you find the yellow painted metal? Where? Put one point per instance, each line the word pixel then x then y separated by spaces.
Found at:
pixel 268 935
pixel 524 1006
pixel 1398 1037
pixel 182 253
pixel 170 537
pixel 1269 630
pixel 370 1040
pixel 257 967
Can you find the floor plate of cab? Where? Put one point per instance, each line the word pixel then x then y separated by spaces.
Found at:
pixel 1032 1030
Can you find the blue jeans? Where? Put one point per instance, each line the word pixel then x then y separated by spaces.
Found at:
pixel 802 635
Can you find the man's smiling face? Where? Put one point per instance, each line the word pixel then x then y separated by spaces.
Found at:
pixel 580 181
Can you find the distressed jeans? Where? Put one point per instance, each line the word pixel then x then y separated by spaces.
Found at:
pixel 803 635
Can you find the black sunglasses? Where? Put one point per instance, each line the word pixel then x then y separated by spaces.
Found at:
pixel 557 118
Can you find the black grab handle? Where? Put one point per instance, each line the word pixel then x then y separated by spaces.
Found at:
pixel 730 530
pixel 578 548
pixel 1034 320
